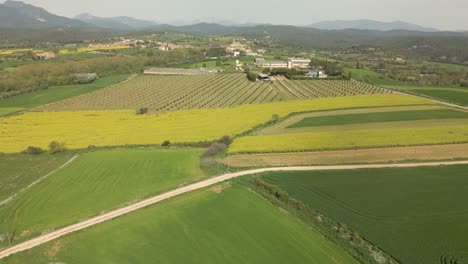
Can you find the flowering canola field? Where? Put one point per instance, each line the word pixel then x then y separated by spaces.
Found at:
pixel 81 129
pixel 351 139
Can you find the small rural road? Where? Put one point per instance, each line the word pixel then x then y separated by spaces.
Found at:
pixel 195 186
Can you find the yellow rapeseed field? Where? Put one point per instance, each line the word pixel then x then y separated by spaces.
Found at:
pixel 123 127
pixel 351 139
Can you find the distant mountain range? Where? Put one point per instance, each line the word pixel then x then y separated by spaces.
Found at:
pixel 16 14
pixel 24 24
pixel 120 23
pixel 365 24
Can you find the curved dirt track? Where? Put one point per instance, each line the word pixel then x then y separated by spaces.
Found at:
pixel 195 186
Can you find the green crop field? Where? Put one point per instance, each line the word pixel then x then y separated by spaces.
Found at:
pixel 418 215
pixel 349 119
pixel 9 110
pixel 18 170
pixel 449 94
pixel 162 93
pixel 353 139
pixel 57 93
pixel 96 182
pixel 233 225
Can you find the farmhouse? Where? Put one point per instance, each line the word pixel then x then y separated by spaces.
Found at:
pixel 263 77
pixel 317 74
pixel 298 63
pixel 291 63
pixel 46 55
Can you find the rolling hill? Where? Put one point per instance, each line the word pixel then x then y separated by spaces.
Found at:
pixel 366 24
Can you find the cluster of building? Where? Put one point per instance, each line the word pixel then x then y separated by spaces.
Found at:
pixel 138 43
pixel 236 49
pixel 291 63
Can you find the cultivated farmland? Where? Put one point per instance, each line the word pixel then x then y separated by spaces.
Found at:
pixel 113 128
pixel 219 225
pixel 18 171
pixel 418 215
pixel 93 183
pixel 170 93
pixel 334 140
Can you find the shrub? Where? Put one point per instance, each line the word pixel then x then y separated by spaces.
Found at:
pixel 275 118
pixel 31 150
pixel 227 140
pixel 166 143
pixel 142 111
pixel 464 83
pixel 56 147
pixel 214 149
pixel 83 78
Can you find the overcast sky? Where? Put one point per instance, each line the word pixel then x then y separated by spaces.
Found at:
pixel 445 15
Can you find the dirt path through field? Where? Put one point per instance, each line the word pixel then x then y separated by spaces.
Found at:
pixel 195 186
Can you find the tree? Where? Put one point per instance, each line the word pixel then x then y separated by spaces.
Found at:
pixel 31 150
pixel 166 143
pixel 142 111
pixel 56 147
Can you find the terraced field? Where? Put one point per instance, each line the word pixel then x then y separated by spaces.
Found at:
pixel 418 215
pixel 224 224
pixel 95 182
pixel 115 128
pixel 164 93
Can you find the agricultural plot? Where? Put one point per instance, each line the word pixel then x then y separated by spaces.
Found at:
pixel 449 94
pixel 162 93
pixel 18 170
pixel 380 117
pixel 57 93
pixel 9 110
pixel 93 183
pixel 355 156
pixel 418 215
pixel 123 127
pixel 219 225
pixel 352 139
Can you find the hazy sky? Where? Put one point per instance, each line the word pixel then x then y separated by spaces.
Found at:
pixel 446 15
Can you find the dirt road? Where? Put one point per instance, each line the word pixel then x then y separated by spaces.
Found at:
pixel 195 186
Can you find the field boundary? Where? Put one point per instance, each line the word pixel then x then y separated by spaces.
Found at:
pixel 192 187
pixel 9 199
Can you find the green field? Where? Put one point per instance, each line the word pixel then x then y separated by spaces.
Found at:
pixel 349 119
pixel 449 94
pixel 418 215
pixel 369 76
pixel 57 93
pixel 9 110
pixel 18 170
pixel 234 226
pixel 96 182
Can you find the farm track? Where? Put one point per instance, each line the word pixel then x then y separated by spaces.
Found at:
pixel 192 187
